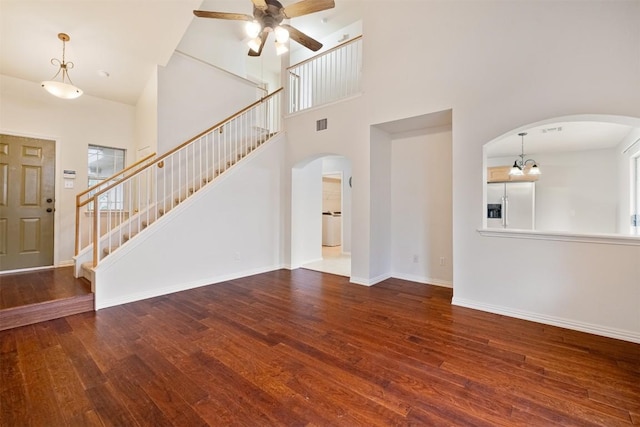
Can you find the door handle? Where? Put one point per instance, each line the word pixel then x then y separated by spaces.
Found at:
pixel 49 210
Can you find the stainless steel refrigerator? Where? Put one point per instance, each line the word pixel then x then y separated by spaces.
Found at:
pixel 511 205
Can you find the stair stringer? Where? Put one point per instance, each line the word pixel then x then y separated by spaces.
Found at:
pixel 230 228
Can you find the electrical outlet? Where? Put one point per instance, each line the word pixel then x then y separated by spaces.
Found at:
pixel 443 261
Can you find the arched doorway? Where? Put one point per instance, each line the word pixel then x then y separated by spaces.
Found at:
pixel 321 214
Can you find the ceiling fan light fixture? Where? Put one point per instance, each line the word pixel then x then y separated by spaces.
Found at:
pixel 61 88
pixel 268 16
pixel 253 29
pixel 254 44
pixel 282 35
pixel 281 48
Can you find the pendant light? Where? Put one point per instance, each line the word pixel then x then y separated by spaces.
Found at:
pixel 518 168
pixel 61 88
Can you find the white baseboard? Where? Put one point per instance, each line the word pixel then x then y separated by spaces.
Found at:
pixel 369 282
pixel 620 334
pixel 101 303
pixel 424 280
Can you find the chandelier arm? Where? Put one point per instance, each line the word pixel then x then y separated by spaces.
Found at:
pixel 61 88
pixel 65 74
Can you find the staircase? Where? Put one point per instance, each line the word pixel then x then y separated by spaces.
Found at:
pixel 150 191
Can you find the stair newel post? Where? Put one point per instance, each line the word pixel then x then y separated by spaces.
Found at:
pixel 96 230
pixel 77 244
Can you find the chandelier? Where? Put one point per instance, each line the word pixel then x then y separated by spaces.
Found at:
pixel 61 88
pixel 519 165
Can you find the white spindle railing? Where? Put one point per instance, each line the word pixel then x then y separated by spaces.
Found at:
pixel 328 77
pixel 85 198
pixel 151 191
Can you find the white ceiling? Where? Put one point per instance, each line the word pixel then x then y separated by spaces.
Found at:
pixel 561 137
pixel 129 38
pixel 126 38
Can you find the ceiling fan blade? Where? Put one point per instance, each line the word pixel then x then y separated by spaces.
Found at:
pixel 302 38
pixel 305 7
pixel 260 4
pixel 263 37
pixel 223 15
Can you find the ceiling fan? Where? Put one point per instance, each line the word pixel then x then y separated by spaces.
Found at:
pixel 268 16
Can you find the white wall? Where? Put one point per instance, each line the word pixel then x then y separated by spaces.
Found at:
pixel 193 96
pixel 146 123
pixel 498 65
pixel 344 136
pixel 27 110
pixel 380 207
pixel 421 206
pixel 306 213
pixel 577 191
pixel 201 41
pixel 299 53
pixel 231 229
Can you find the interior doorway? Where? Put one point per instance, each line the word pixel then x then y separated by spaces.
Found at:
pixel 27 191
pixel 321 215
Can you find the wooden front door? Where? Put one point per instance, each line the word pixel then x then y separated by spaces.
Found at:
pixel 27 188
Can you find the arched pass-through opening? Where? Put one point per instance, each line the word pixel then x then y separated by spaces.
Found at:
pixel 321 214
pixel 588 182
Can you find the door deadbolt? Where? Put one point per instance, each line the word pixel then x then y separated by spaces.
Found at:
pixel 49 200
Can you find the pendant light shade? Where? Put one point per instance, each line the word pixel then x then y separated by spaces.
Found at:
pixel 255 43
pixel 518 168
pixel 64 87
pixel 515 169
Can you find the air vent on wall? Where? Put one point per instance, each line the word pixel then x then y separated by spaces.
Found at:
pixel 321 124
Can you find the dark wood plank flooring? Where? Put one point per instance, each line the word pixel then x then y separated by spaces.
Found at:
pixel 36 296
pixel 306 348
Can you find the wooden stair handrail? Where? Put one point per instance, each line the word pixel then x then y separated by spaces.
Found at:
pixel 128 168
pixel 157 160
pixel 184 144
pixel 80 204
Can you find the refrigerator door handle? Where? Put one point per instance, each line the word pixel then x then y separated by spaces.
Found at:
pixel 505 217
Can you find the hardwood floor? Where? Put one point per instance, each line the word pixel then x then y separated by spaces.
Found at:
pixel 306 348
pixel 36 296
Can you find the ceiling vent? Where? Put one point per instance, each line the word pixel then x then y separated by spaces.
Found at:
pixel 549 130
pixel 321 125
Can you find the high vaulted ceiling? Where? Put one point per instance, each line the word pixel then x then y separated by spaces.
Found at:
pixel 125 38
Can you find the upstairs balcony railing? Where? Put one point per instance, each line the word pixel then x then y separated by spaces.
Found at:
pixel 333 75
pixel 151 190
